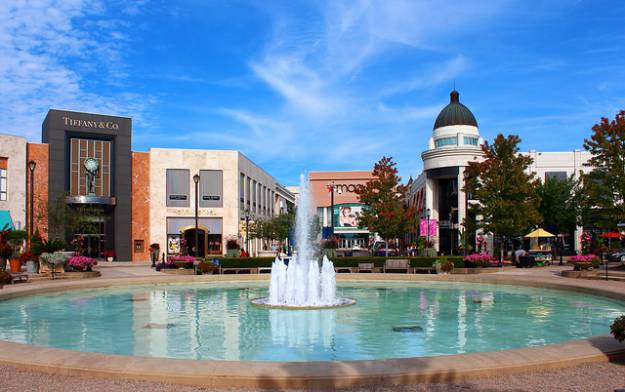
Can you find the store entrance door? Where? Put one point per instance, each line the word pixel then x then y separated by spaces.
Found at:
pixel 189 237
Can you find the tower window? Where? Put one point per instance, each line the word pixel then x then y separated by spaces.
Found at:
pixel 470 140
pixel 446 141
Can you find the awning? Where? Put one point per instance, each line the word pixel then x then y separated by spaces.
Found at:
pixel 539 233
pixel 5 220
pixel 612 234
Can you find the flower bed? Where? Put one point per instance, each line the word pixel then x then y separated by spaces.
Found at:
pixel 585 262
pixel 81 263
pixel 181 261
pixel 479 260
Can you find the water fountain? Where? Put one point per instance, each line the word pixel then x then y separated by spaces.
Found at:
pixel 302 284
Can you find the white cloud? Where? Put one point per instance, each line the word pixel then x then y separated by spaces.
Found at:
pixel 50 50
pixel 324 65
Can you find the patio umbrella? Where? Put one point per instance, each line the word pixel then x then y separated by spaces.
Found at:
pixel 609 236
pixel 612 234
pixel 539 233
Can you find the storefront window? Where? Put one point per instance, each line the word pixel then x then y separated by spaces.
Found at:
pixel 178 188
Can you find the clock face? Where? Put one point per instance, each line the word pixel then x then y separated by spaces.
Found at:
pixel 91 165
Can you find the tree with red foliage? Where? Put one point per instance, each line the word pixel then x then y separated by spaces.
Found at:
pixel 386 212
pixel 606 183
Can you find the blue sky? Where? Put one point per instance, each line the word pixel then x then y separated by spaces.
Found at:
pixel 323 85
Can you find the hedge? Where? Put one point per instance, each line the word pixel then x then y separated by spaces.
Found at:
pixel 418 261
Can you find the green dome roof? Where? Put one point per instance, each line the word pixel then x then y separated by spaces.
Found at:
pixel 455 113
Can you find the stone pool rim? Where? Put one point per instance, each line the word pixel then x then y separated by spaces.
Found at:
pixel 339 374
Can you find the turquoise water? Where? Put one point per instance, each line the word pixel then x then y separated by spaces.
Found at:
pixel 202 321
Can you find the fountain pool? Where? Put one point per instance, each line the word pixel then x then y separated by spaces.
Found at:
pixel 390 320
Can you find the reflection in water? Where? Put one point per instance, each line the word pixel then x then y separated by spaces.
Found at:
pixel 302 328
pixel 462 322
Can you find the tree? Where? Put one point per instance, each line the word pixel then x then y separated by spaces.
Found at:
pixel 557 204
pixel 606 183
pixel 508 204
pixel 275 228
pixel 386 212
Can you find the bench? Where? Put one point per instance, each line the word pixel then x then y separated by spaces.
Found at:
pixel 236 271
pixel 424 270
pixel 365 267
pixel 264 270
pixel 18 276
pixel 343 270
pixel 397 265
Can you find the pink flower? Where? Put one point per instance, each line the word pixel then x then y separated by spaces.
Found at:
pixel 81 262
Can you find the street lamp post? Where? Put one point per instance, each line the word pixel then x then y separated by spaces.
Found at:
pixel 196 180
pixel 247 232
pixel 31 167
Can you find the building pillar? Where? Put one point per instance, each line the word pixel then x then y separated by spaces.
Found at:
pixel 462 202
pixel 432 203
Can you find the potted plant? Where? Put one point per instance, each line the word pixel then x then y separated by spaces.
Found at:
pixel 81 263
pixel 28 259
pixel 109 255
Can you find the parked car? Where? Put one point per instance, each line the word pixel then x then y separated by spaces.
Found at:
pixel 617 256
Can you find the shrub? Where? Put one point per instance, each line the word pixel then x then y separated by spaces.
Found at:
pixel 478 260
pixel 618 328
pixel 81 263
pixel 446 265
pixel 5 278
pixel 255 262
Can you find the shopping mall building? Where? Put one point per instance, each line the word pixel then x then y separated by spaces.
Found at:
pixel 437 191
pixel 141 198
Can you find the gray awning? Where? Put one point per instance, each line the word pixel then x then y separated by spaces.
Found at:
pixel 174 225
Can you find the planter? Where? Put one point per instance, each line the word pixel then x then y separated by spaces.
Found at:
pixel 82 274
pixel 109 259
pixel 207 268
pixel 579 274
pixel 180 271
pixel 16 265
pixel 475 270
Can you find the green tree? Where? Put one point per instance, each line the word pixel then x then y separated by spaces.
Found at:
pixel 508 204
pixel 386 212
pixel 275 228
pixel 606 183
pixel 558 203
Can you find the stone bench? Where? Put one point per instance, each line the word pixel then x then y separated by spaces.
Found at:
pixel 396 265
